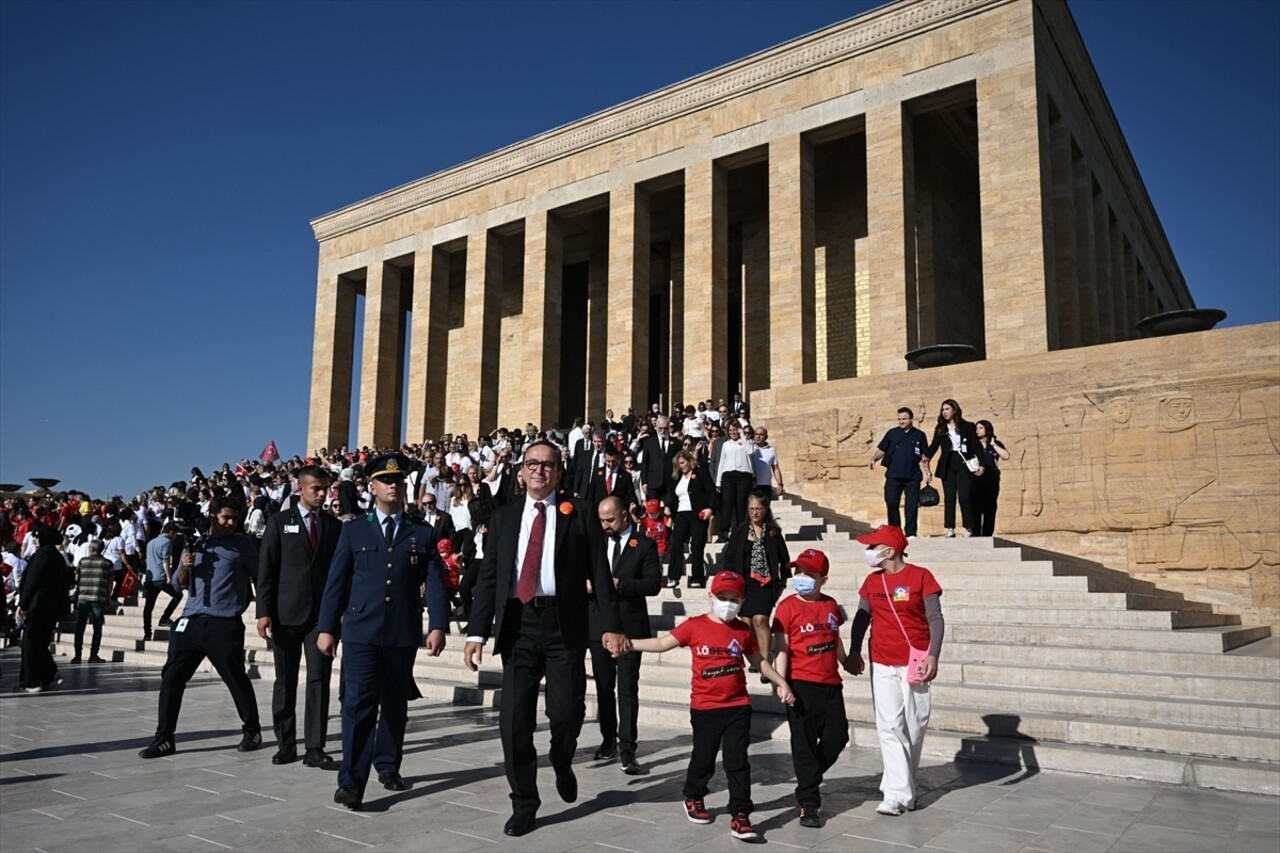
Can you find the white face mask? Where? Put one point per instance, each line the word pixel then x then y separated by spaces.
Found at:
pixel 874 558
pixel 725 610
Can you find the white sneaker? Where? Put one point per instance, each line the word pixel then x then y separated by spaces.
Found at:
pixel 950 534
pixel 889 807
pixel 968 534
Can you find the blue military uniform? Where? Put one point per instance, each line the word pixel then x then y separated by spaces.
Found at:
pixel 373 601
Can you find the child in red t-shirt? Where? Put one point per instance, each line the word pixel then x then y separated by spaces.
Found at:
pixel 655 526
pixel 719 706
pixel 806 630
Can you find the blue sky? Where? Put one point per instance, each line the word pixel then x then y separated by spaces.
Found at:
pixel 159 164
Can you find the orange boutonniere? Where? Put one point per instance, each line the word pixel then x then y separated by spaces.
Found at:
pixel 773 532
pixel 693 476
pixel 566 508
pixel 633 543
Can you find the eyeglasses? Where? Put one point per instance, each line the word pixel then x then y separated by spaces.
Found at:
pixel 535 464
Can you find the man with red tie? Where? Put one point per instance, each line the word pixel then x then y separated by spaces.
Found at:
pixel 531 595
pixel 293 564
pixel 611 481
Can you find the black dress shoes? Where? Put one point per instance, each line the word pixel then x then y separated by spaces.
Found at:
pixel 317 758
pixel 349 797
pixel 608 750
pixel 393 781
pixel 519 825
pixel 567 785
pixel 284 756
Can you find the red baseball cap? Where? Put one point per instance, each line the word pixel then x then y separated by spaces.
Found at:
pixel 811 561
pixel 729 581
pixel 652 505
pixel 445 547
pixel 886 534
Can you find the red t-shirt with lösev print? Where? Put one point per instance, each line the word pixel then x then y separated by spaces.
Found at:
pixel 908 589
pixel 718 680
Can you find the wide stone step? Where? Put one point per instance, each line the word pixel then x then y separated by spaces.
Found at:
pixel 1065 599
pixel 1042 615
pixel 1114 659
pixel 1198 688
pixel 1207 640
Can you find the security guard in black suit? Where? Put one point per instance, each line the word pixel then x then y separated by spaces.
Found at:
pixel 373 599
pixel 293 564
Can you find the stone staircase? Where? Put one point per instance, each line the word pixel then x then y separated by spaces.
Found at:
pixel 1049 662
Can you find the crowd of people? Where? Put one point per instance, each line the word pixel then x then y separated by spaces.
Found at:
pixel 549 542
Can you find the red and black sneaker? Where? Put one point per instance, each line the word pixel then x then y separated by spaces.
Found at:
pixel 696 811
pixel 741 828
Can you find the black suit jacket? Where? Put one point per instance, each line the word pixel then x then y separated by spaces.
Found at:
pixel 702 492
pixel 622 487
pixel 737 554
pixel 969 445
pixel 577 538
pixel 291 577
pixel 657 465
pixel 43 592
pixel 580 476
pixel 639 575
pixel 442 525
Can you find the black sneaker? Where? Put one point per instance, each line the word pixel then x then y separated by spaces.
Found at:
pixel 159 748
pixel 76 659
pixel 96 659
pixel 740 828
pixel 809 817
pixel 696 811
pixel 250 742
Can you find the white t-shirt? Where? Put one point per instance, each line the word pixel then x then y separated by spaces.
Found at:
pixel 765 458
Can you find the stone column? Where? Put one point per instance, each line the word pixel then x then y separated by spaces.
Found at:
pixel 706 282
pixel 1086 269
pixel 890 195
pixel 332 358
pixel 429 346
pixel 379 424
pixel 792 348
pixel 600 319
pixel 540 356
pixel 1013 277
pixel 628 349
pixel 473 361
pixel 1066 308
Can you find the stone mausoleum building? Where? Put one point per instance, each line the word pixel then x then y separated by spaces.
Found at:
pixel 793 225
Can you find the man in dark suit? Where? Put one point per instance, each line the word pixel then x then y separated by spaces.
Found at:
pixel 586 463
pixel 532 588
pixel 611 481
pixel 430 514
pixel 659 450
pixel 373 598
pixel 293 563
pixel 631 559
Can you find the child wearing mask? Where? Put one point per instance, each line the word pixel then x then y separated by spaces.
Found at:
pixel 806 631
pixel 720 708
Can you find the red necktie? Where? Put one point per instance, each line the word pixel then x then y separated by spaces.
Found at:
pixel 311 529
pixel 608 481
pixel 527 587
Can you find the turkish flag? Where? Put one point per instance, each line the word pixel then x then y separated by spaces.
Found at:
pixel 269 453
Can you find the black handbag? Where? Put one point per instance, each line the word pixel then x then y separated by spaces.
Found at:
pixel 928 496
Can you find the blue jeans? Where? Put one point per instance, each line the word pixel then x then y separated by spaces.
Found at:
pixel 86 610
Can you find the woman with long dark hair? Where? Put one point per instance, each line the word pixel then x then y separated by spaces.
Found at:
pixel 958 441
pixel 758 552
pixel 691 498
pixel 986 484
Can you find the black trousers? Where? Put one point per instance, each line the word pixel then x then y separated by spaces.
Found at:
pixel 288 644
pixel 727 731
pixel 37 667
pixel 819 733
pixel 957 486
pixel 539 651
pixel 735 487
pixel 375 709
pixel 150 592
pixel 618 715
pixel 894 489
pixel 687 527
pixel 986 494
pixel 221 640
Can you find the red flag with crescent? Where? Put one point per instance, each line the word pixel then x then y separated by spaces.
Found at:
pixel 269 453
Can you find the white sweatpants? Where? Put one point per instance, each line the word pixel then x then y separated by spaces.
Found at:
pixel 902 716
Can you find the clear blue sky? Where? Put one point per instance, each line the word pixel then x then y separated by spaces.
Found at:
pixel 159 164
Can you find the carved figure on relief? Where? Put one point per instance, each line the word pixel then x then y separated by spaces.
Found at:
pixel 821 452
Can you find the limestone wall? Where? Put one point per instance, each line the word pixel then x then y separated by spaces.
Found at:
pixel 1158 457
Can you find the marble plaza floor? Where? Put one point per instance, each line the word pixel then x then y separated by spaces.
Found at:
pixel 70 780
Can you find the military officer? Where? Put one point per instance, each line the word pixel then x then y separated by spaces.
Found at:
pixel 373 599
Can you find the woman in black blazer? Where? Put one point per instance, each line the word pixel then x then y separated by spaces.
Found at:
pixel 958 441
pixel 757 551
pixel 691 498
